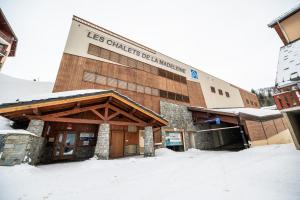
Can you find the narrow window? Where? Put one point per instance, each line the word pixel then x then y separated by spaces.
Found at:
pixel 227 94
pixel 213 90
pixel 220 92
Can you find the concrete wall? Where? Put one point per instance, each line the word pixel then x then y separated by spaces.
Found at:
pixel 215 100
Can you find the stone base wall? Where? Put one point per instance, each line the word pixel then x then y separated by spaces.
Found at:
pixel 179 117
pixel 15 149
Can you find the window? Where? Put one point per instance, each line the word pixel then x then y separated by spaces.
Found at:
pixel 162 72
pixel 148 90
pixel 185 99
pixel 212 89
pixel 132 86
pixel 247 101
pixel 140 89
pixel 122 84
pixel 171 95
pixel 183 79
pixel 178 97
pixel 112 82
pixel 170 75
pixel 227 94
pixel 163 93
pixel 89 77
pixel 220 92
pixel 155 92
pixel 101 79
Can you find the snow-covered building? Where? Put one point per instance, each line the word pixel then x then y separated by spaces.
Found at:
pixel 8 40
pixel 287 98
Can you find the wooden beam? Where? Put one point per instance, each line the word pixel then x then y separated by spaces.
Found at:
pixel 106 111
pixel 126 114
pixel 72 120
pixel 98 114
pixel 36 111
pixel 113 115
pixel 51 103
pixel 90 121
pixel 164 122
pixel 74 111
pixel 132 111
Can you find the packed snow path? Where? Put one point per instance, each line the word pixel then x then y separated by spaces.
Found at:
pixel 270 172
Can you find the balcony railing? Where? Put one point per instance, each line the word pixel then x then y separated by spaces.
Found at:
pixel 287 99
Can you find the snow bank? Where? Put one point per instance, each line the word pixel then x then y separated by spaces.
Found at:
pixel 269 172
pixel 5 124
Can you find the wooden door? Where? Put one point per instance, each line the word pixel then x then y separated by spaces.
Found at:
pixel 117 144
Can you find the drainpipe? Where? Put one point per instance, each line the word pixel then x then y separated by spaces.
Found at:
pixel 246 144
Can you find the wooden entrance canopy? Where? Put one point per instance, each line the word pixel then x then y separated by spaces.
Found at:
pixel 83 107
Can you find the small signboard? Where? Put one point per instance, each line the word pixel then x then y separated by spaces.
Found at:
pixel 86 136
pixel 173 139
pixel 194 74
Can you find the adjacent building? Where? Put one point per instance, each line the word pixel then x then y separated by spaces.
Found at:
pixel 8 40
pixel 287 98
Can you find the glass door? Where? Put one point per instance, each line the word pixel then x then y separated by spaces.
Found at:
pixel 64 146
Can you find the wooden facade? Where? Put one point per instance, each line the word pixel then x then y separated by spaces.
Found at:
pixel 140 82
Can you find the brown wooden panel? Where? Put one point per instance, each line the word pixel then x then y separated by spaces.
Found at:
pixel 116 144
pixel 195 94
pixel 255 129
pixel 131 138
pixel 269 128
pixel 279 125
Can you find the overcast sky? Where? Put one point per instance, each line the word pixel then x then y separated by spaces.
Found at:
pixel 228 39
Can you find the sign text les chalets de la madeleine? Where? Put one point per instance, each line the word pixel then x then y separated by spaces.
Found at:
pixel 133 51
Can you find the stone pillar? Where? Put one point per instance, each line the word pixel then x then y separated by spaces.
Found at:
pixel 36 126
pixel 148 142
pixel 186 139
pixel 36 145
pixel 102 146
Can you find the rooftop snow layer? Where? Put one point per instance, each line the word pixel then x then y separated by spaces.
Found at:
pixel 257 112
pixel 50 95
pixel 288 69
pixel 285 15
pixel 13 88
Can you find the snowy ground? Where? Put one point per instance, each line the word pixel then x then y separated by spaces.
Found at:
pixel 270 172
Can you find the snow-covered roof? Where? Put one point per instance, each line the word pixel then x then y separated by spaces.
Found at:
pixel 69 94
pixel 50 95
pixel 13 88
pixel 288 69
pixel 285 15
pixel 254 112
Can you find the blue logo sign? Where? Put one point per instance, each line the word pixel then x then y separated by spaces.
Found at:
pixel 194 74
